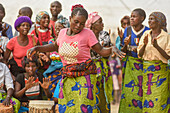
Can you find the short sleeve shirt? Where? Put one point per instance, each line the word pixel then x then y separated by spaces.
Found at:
pixel 19 51
pixel 75 49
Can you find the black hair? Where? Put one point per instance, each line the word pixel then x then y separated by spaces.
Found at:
pixel 79 11
pixel 2 8
pixel 125 18
pixel 57 2
pixel 25 61
pixel 27 10
pixel 141 12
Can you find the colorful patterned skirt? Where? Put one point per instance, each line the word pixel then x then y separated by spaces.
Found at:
pixel 132 92
pixel 104 91
pixel 156 92
pixel 78 91
pixel 147 91
pixel 54 79
pixel 13 101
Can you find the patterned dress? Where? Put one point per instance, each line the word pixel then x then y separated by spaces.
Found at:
pixel 104 94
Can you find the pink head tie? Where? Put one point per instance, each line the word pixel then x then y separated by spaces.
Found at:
pixel 92 18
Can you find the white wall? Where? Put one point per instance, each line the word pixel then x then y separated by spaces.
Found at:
pixel 111 10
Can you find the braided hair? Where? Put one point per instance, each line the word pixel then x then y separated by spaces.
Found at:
pixel 79 10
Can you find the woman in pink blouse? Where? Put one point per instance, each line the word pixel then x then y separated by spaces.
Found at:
pixel 78 84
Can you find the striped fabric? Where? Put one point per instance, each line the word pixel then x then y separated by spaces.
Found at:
pixel 33 92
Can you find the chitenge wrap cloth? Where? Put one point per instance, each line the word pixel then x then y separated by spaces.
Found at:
pixel 156 90
pixel 77 92
pixel 131 85
pixel 81 69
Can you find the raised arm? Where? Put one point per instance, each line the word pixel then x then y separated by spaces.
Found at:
pixel 20 92
pixel 145 42
pixel 161 51
pixel 105 52
pixel 44 48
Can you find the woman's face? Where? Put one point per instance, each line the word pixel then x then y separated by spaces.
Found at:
pixel 58 27
pixel 125 23
pixel 77 23
pixel 44 22
pixel 31 68
pixel 98 25
pixel 135 19
pixel 24 28
pixel 55 8
pixel 153 23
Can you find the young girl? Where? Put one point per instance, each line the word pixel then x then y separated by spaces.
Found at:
pixel 78 85
pixel 30 85
pixel 42 32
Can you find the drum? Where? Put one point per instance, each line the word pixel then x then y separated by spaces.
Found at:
pixel 41 106
pixel 6 109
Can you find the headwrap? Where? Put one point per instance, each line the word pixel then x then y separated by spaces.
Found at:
pixel 22 19
pixel 160 17
pixel 64 21
pixel 92 18
pixel 75 6
pixel 40 15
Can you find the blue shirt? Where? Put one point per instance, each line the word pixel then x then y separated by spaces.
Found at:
pixel 133 36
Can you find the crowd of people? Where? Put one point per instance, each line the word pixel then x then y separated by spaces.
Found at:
pixel 73 62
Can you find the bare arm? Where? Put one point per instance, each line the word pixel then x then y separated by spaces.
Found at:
pixel 18 92
pixel 44 48
pixel 47 48
pixel 6 102
pixel 124 48
pixel 161 51
pixel 7 55
pixel 45 86
pixel 126 42
pixel 105 52
pixel 141 51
